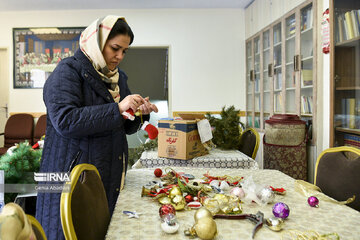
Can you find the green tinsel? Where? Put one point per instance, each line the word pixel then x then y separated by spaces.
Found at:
pixel 227 129
pixel 19 166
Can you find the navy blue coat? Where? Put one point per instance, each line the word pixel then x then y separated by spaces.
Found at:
pixel 84 121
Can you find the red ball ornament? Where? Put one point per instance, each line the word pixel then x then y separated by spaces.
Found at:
pixel 166 209
pixel 189 198
pixel 158 172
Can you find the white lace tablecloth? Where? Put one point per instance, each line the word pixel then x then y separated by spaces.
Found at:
pixel 215 159
pixel 328 218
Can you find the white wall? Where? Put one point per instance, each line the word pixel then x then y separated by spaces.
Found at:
pixel 206 52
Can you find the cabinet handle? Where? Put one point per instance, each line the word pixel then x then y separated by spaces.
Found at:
pixel 296 64
pixel 252 75
pixel 270 70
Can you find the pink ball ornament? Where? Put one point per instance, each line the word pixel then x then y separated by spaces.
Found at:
pixel 281 210
pixel 238 192
pixel 313 201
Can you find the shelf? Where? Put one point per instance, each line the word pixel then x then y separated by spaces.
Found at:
pixel 290 89
pixel 266 49
pixel 278 66
pixel 277 90
pixel 307 87
pixel 290 38
pixel 306 114
pixel 277 44
pixel 306 30
pixel 307 58
pixel 347 88
pixel 349 43
pixel 348 130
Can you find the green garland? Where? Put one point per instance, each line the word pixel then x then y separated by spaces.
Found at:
pixel 18 166
pixel 135 153
pixel 227 129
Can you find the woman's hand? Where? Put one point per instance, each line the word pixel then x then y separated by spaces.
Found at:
pixel 148 107
pixel 133 101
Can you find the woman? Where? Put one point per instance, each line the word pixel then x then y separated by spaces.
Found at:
pixel 85 97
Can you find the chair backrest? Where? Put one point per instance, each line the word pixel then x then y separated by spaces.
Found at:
pixel 15 224
pixel 338 175
pixel 37 228
pixel 18 128
pixel 84 209
pixel 249 142
pixel 40 128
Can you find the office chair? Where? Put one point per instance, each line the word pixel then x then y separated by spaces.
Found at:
pixel 40 128
pixel 337 174
pixel 18 128
pixel 84 209
pixel 249 142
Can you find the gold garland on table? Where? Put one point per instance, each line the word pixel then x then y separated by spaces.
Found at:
pixel 308 235
pixel 308 190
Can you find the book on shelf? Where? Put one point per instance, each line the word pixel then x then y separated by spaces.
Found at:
pixel 306 77
pixel 348 25
pixel 306 104
pixel 349 112
pixel 307 19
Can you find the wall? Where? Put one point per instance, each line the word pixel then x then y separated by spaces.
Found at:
pixel 206 52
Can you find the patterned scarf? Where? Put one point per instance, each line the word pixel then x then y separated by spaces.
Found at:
pixel 92 42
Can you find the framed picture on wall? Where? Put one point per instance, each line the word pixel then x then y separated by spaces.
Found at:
pixel 37 51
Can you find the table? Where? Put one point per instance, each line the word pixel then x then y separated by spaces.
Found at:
pixel 328 218
pixel 215 159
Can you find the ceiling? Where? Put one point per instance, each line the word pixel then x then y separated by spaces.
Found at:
pixel 31 5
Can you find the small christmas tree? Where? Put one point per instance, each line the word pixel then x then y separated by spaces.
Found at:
pixel 18 165
pixel 227 129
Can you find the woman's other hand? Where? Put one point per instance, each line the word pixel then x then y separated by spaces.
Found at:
pixel 133 101
pixel 148 107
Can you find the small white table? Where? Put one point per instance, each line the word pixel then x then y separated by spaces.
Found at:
pixel 215 159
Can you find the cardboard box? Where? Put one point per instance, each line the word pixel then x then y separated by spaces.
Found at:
pixel 179 139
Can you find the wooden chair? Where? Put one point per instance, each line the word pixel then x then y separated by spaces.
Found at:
pixel 84 210
pixel 249 142
pixel 337 174
pixel 37 228
pixel 18 128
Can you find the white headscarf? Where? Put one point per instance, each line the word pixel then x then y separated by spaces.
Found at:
pixel 92 42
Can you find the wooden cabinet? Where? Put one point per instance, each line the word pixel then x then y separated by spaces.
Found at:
pixel 345 73
pixel 280 68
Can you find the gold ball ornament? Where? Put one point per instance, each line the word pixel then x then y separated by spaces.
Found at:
pixel 164 200
pixel 174 192
pixel 178 202
pixel 205 228
pixel 202 213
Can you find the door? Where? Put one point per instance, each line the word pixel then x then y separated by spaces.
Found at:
pixel 4 90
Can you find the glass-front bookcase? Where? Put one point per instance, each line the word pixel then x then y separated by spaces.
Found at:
pixel 345 73
pixel 280 68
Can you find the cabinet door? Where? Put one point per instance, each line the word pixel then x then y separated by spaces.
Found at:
pixel 277 61
pixel 307 60
pixel 257 94
pixel 290 80
pixel 267 75
pixel 345 73
pixel 249 84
